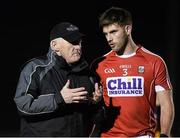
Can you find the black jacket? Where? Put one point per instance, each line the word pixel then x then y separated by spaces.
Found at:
pixel 39 102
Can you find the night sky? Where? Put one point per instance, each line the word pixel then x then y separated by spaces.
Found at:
pixel 24 34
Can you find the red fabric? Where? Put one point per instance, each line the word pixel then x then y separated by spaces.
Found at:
pixel 131 83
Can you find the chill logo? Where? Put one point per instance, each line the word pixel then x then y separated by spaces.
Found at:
pixel 125 86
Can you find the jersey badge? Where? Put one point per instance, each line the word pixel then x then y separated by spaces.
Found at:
pixel 141 69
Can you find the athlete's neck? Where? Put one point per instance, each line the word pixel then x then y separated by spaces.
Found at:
pixel 129 49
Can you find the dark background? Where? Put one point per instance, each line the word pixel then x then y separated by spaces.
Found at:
pixel 24 34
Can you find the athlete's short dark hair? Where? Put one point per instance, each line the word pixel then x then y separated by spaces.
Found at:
pixel 115 15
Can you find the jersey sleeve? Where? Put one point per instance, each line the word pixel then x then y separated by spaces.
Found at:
pixel 162 79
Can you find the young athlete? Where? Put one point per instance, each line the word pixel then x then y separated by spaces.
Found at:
pixel 134 81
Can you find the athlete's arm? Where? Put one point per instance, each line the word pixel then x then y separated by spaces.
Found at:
pixel 165 101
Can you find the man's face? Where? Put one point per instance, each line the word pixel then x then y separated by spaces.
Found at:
pixel 71 52
pixel 116 36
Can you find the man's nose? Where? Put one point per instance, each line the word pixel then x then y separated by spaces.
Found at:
pixel 109 38
pixel 77 46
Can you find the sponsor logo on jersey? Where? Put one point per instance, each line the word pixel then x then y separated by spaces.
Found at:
pixel 125 86
pixel 125 66
pixel 140 69
pixel 109 70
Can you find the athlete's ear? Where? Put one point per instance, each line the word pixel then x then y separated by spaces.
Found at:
pixel 128 29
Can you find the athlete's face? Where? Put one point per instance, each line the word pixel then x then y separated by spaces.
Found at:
pixel 116 36
pixel 71 52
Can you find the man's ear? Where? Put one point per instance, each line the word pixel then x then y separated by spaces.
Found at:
pixel 53 45
pixel 128 29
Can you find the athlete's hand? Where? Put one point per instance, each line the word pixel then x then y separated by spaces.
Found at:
pixel 97 95
pixel 75 95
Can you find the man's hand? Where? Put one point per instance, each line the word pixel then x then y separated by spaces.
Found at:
pixel 97 95
pixel 75 95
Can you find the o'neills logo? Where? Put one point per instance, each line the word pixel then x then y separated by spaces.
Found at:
pixel 125 86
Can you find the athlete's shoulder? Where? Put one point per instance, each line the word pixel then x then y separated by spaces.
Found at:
pixel 149 55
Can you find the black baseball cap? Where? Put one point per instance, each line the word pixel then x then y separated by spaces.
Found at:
pixel 67 31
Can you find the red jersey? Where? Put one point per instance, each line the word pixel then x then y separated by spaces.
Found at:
pixel 132 81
